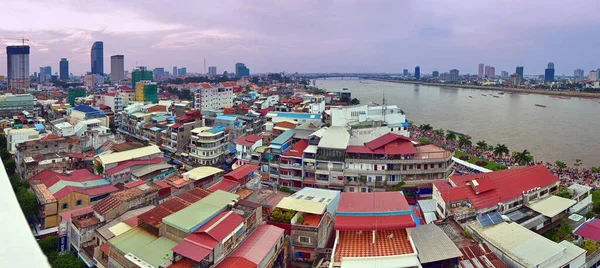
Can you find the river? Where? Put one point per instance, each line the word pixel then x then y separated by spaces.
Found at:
pixel 564 130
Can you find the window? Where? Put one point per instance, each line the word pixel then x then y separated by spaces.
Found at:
pixel 65 206
pixel 351 189
pixel 78 203
pixel 378 178
pixel 304 239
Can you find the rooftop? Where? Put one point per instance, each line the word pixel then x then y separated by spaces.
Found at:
pixel 129 155
pixel 155 216
pixel 241 172
pixel 297 149
pixel 283 137
pixel 507 185
pixel 433 244
pixel 335 138
pixel 589 230
pixel 552 205
pixel 358 244
pixel 202 172
pixel 197 214
pixel 247 140
pixel 144 245
pixel 258 245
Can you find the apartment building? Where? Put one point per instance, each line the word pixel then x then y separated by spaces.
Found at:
pixel 212 97
pixel 49 153
pixel 177 136
pixel 209 145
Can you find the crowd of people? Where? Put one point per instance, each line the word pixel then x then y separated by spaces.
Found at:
pixel 567 175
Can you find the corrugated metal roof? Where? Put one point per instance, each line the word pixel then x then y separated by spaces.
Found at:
pixel 259 244
pixel 202 172
pixel 150 168
pixel 222 225
pixel 120 228
pixel 283 137
pixel 335 138
pixel 197 214
pixel 306 206
pixel 433 244
pixel 144 245
pixel 427 205
pixel 552 206
pixel 372 203
pixel 129 154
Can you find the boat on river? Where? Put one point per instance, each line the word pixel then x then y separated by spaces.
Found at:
pixel 483 95
pixel 540 105
pixel 496 96
pixel 501 93
pixel 470 96
pixel 345 88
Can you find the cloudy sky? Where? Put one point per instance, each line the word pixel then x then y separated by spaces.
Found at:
pixel 309 36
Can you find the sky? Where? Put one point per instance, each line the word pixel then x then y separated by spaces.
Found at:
pixel 309 36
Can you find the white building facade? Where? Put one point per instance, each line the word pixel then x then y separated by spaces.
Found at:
pixel 209 97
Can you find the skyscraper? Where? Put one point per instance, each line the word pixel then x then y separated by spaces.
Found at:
pixel 212 70
pixel 417 72
pixel 435 73
pixel 182 71
pixel 578 75
pixel 17 61
pixel 97 58
pixel 140 74
pixel 175 71
pixel 480 71
pixel 491 72
pixel 117 68
pixel 64 69
pixel 486 71
pixel 549 73
pixel 405 72
pixel 504 74
pixel 159 72
pixel 519 72
pixel 45 74
pixel 453 76
pixel 241 70
pixel 593 75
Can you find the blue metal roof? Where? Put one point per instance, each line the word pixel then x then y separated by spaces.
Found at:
pixel 85 109
pixel 154 128
pixel 39 127
pixel 226 117
pixel 216 129
pixel 283 137
pixel 298 115
pixel 156 118
pixel 404 124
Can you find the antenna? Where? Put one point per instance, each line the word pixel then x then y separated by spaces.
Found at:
pixel 383 108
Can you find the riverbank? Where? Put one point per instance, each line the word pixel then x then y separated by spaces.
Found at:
pixel 505 89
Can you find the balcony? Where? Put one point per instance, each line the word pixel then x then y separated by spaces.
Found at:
pixel 290 177
pixel 322 182
pixel 402 172
pixel 273 164
pixel 445 156
pixel 297 166
pixel 309 167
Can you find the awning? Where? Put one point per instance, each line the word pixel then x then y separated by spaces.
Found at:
pixel 552 206
pixel 191 250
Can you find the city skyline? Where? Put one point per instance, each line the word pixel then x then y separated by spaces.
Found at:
pixel 345 37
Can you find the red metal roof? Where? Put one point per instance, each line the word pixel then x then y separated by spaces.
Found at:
pixel 372 202
pixel 105 189
pixel 241 172
pixel 247 140
pixel 49 177
pixel 389 143
pixel 259 244
pixel 358 223
pixel 385 139
pixel 191 250
pixel 133 221
pixel 509 184
pixel 225 185
pixel 228 84
pixel 178 125
pixel 236 262
pixel 130 163
pixel 590 230
pixel 483 185
pixel 205 85
pixel 107 204
pixel 134 184
pixel 297 149
pixel 222 225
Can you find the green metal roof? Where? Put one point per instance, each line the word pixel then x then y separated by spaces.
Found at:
pixel 197 214
pixel 144 245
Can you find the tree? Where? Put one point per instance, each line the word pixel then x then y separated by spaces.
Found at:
pixel 2 141
pixel 17 183
pixel 67 260
pixel 501 149
pixel 111 125
pixel 439 132
pixel 49 244
pixel 345 99
pixel 596 208
pixel 27 202
pixel 596 169
pixel 355 101
pixel 563 192
pixel 99 168
pixel 464 141
pixel 523 157
pixel 10 166
pixel 482 146
pixel 4 154
pixel 563 232
pixel 450 136
pixel 426 127
pixel 589 246
pixel 560 164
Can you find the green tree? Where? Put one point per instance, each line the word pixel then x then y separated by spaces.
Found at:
pixel 482 146
pixel 3 142
pixel 4 154
pixel 450 136
pixel 49 244
pixel 501 149
pixel 111 125
pixel 17 183
pixel 28 202
pixel 563 192
pixel 10 166
pixel 563 232
pixel 560 164
pixel 439 132
pixel 596 208
pixel 67 260
pixel 589 246
pixel 464 141
pixel 99 168
pixel 596 169
pixel 426 127
pixel 523 157
pixel 355 101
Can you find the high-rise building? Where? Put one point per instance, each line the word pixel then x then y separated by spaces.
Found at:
pixel 519 72
pixel 486 70
pixel 453 75
pixel 64 69
pixel 578 75
pixel 241 70
pixel 491 72
pixel 17 61
pixel 175 71
pixel 97 58
pixel 514 80
pixel 159 72
pixel 212 70
pixel 417 72
pixel 405 72
pixel 549 73
pixel 117 68
pixel 45 74
pixel 593 75
pixel 480 70
pixel 504 74
pixel 146 92
pixel 182 71
pixel 140 74
pixel 435 74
